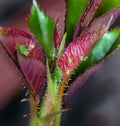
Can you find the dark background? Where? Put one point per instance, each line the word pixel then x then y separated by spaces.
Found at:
pixel 98 103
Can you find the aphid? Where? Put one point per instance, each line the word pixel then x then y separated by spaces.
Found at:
pixel 13 37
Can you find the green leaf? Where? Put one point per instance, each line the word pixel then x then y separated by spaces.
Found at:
pixel 101 49
pixel 43 28
pixel 75 9
pixel 107 5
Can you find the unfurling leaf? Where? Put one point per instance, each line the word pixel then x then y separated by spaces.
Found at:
pixel 80 47
pixel 87 16
pixel 43 28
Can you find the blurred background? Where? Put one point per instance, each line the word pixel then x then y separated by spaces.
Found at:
pixel 98 103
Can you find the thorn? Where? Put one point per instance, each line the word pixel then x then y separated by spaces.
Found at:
pixel 27 115
pixel 66 86
pixel 70 79
pixel 25 100
pixel 73 72
pixel 65 110
pixel 38 109
pixel 65 94
pixel 24 87
pixel 27 93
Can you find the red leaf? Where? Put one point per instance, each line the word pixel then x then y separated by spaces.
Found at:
pixel 31 66
pixel 34 72
pixel 80 81
pixel 12 37
pixel 79 48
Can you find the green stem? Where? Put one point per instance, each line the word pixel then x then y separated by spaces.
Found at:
pixel 50 113
pixel 50 109
pixel 34 120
